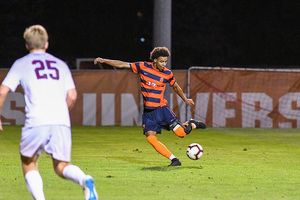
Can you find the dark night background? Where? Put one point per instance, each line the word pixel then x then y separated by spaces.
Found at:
pixel 233 33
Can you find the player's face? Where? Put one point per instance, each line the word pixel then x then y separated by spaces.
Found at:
pixel 160 62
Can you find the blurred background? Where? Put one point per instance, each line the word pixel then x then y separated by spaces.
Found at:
pixel 233 33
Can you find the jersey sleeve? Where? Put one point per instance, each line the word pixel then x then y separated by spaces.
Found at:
pixel 172 80
pixel 69 82
pixel 12 79
pixel 135 67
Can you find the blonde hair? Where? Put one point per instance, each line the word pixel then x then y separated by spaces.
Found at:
pixel 36 37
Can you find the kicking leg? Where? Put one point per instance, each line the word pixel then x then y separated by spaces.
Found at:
pixel 186 128
pixel 181 130
pixel 195 124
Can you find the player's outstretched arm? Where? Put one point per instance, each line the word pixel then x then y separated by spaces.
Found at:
pixel 3 93
pixel 115 63
pixel 179 91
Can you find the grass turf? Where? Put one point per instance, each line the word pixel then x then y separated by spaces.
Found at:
pixel 237 164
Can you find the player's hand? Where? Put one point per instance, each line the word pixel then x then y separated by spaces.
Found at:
pixel 100 60
pixel 190 102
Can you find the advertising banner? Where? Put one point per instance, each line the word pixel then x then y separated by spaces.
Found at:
pixel 246 98
pixel 223 98
pixel 105 98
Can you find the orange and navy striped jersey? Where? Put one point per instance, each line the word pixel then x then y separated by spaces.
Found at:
pixel 153 83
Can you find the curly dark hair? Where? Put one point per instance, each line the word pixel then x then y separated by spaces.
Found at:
pixel 159 51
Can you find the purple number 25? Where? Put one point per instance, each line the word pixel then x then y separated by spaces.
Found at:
pixel 40 73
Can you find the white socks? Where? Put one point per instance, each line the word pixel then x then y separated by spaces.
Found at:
pixel 34 184
pixel 194 125
pixel 34 180
pixel 74 173
pixel 171 157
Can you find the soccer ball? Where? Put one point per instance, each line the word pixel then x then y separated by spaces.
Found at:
pixel 194 151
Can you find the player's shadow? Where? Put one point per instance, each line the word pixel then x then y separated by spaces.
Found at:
pixel 166 168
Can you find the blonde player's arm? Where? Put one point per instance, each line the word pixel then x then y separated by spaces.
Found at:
pixel 3 94
pixel 179 91
pixel 114 63
pixel 71 98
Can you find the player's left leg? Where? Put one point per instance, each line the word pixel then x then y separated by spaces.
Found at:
pixel 195 124
pixel 168 120
pixel 31 143
pixel 180 130
pixel 34 181
pixel 184 129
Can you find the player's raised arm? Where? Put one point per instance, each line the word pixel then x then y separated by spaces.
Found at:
pixel 115 63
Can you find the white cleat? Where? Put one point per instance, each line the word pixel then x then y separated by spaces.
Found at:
pixel 89 189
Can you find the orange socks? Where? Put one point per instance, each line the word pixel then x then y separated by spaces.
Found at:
pixel 158 146
pixel 179 131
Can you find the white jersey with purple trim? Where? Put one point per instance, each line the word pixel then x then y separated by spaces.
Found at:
pixel 45 80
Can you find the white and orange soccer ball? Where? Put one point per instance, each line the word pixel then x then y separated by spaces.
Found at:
pixel 194 151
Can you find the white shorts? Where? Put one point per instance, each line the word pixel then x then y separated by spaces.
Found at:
pixel 53 139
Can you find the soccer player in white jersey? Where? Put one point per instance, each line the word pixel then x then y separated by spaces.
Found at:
pixel 49 93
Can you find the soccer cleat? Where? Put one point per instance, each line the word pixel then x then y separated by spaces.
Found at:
pixel 198 124
pixel 175 162
pixel 89 189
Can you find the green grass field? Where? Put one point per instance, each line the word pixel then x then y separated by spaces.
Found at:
pixel 236 164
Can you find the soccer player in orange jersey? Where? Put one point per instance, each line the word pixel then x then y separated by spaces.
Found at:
pixel 157 114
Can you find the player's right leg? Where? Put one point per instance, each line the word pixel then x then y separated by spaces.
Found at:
pixel 151 128
pixel 75 174
pixel 160 148
pixel 89 188
pixel 61 157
